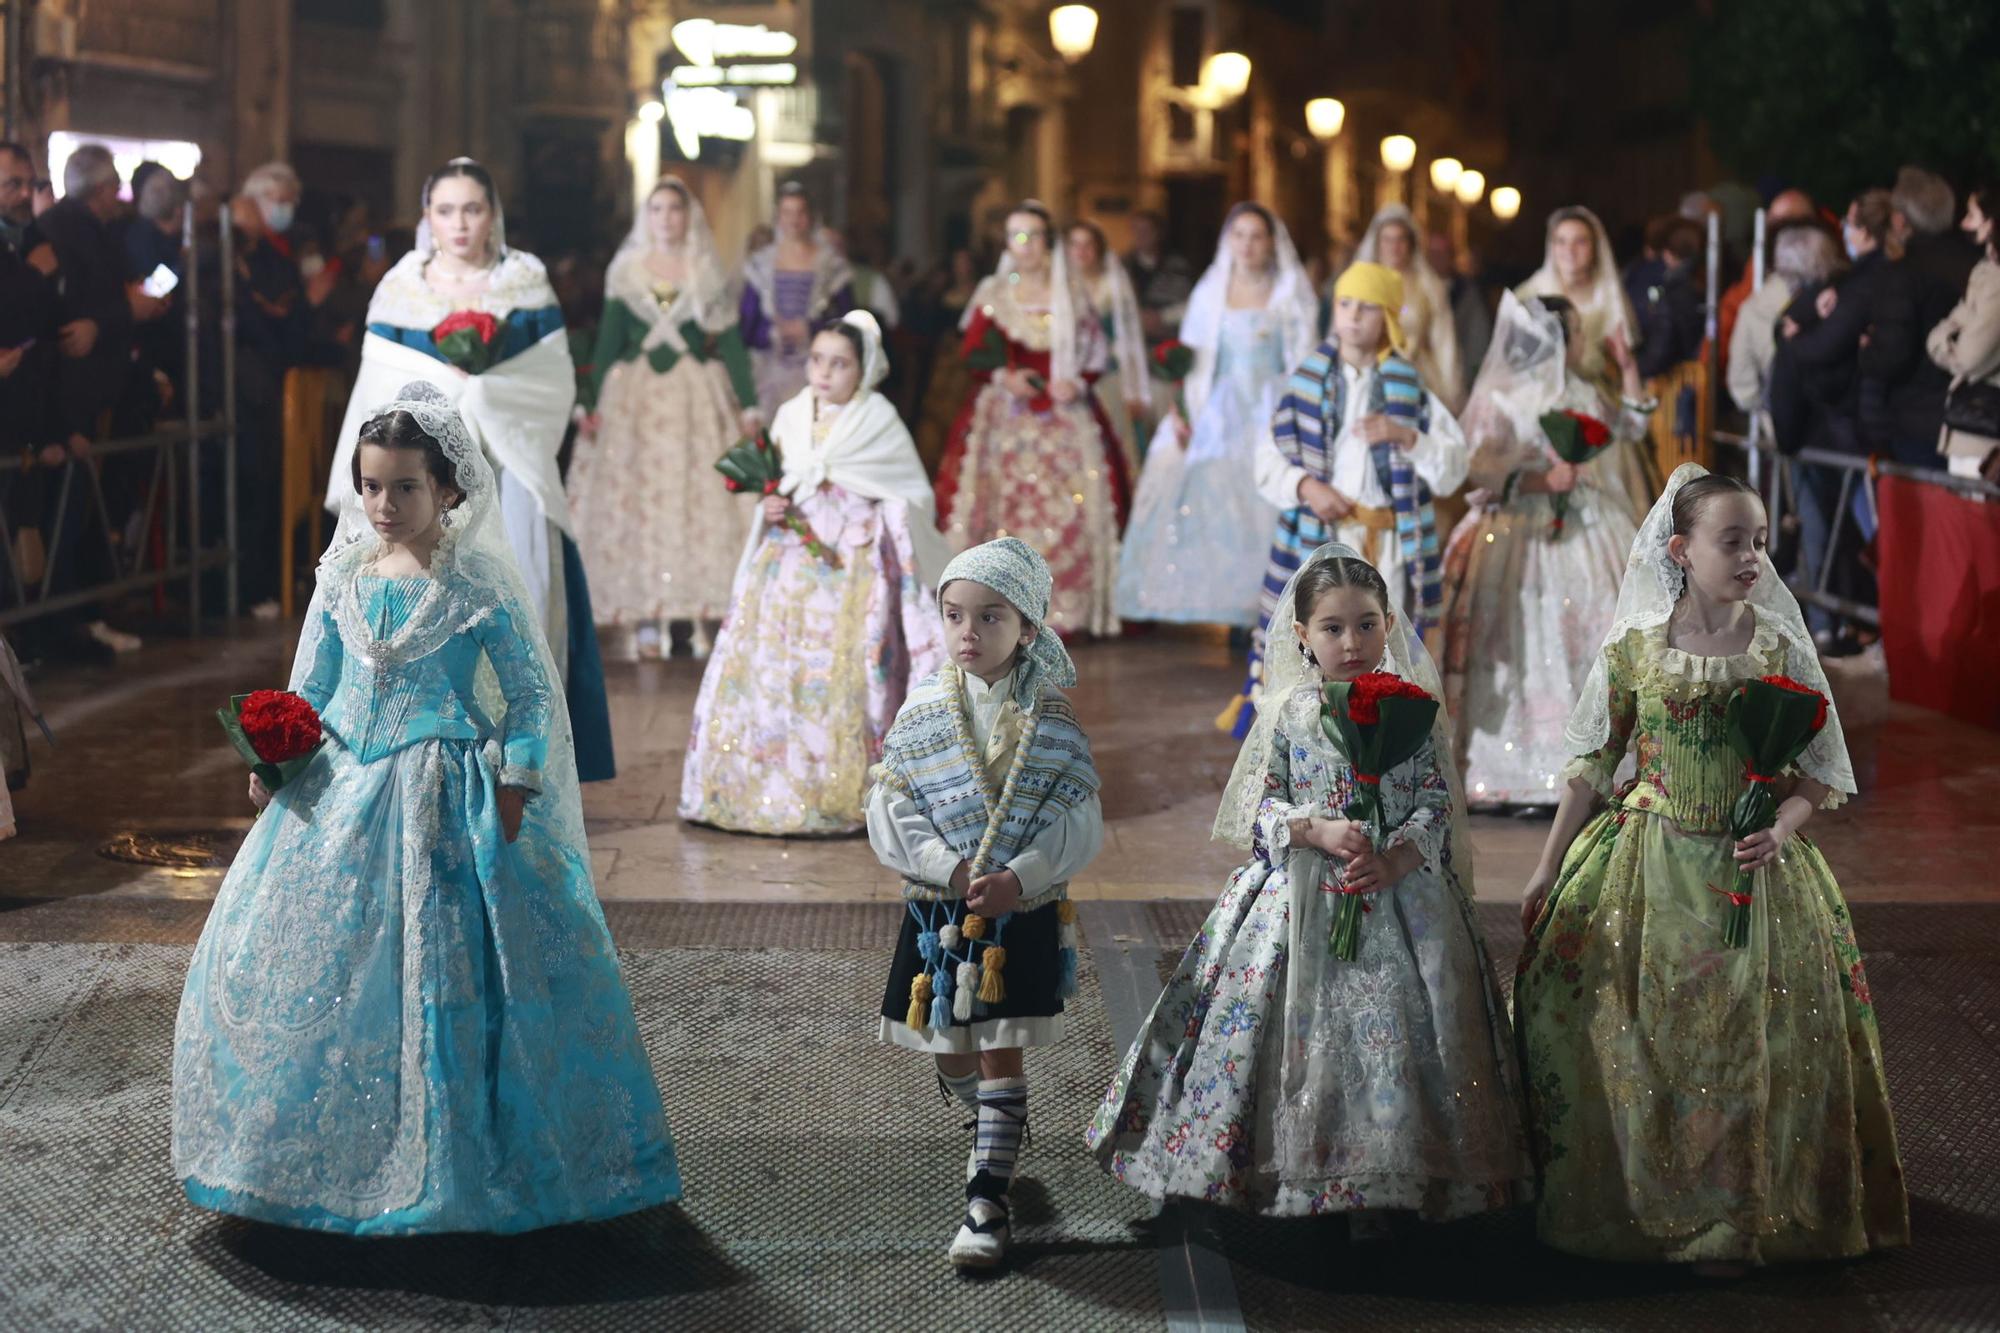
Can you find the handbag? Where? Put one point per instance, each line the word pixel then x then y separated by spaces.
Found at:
pixel 1973 408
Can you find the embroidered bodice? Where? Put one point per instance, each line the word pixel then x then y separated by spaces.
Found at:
pixel 1667 706
pixel 1251 346
pixel 1305 775
pixel 377 696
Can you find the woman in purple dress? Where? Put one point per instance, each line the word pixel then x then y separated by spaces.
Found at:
pixel 790 288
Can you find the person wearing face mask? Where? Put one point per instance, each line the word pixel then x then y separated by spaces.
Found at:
pixel 674 390
pixel 503 361
pixel 1031 454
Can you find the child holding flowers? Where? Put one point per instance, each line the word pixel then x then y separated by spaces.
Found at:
pixel 1702 1091
pixel 827 625
pixel 985 802
pixel 1274 1074
pixel 1531 575
pixel 404 1014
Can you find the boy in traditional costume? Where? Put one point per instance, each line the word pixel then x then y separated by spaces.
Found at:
pixel 985 802
pixel 1357 450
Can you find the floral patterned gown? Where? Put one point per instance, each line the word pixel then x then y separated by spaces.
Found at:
pixel 1417 1103
pixel 809 671
pixel 1049 473
pixel 1692 1102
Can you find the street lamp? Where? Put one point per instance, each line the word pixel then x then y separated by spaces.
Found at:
pixel 652 112
pixel 1324 117
pixel 1225 76
pixel 1399 152
pixel 1506 202
pixel 1445 172
pixel 1072 31
pixel 1471 184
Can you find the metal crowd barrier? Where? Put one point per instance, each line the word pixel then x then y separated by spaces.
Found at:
pixel 173 498
pixel 1857 473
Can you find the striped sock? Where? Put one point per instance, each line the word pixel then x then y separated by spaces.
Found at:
pixel 964 1087
pixel 1003 1115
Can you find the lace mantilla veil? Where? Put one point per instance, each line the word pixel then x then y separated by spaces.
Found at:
pixel 1652 586
pixel 472 576
pixel 1525 370
pixel 1285 669
pixel 1292 300
pixel 707 283
pixel 1068 303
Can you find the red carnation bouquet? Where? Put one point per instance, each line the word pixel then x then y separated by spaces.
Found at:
pixel 1577 437
pixel 755 467
pixel 1173 361
pixel 993 353
pixel 1376 721
pixel 469 339
pixel 1769 723
pixel 276 733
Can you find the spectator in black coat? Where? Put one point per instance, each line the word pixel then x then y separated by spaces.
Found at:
pixel 1916 292
pixel 29 328
pixel 1670 324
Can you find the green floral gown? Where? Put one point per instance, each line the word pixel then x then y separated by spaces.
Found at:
pixel 1691 1102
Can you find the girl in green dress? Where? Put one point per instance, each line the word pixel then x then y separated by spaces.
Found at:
pixel 1691 1102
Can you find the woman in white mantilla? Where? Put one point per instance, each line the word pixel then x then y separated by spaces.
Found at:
pixel 517 409
pixel 1124 392
pixel 1528 599
pixel 1195 549
pixel 1392 240
pixel 675 392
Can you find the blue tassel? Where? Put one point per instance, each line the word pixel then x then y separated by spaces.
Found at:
pixel 927 947
pixel 1066 987
pixel 941 983
pixel 940 1011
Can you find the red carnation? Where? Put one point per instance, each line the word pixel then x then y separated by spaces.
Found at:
pixel 1595 433
pixel 279 725
pixel 1787 683
pixel 1365 695
pixel 467 339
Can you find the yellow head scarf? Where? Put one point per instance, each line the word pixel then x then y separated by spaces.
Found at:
pixel 1377 284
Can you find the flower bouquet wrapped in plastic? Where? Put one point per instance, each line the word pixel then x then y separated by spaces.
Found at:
pixel 755 467
pixel 1376 721
pixel 1769 723
pixel 276 733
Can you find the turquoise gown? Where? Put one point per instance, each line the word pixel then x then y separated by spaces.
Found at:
pixel 395 1021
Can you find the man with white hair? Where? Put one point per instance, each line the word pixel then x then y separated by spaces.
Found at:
pixel 1916 291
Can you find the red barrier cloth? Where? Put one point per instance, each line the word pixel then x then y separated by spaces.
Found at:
pixel 1940 598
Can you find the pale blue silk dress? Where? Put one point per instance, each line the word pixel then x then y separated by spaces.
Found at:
pixel 395 1021
pixel 1194 551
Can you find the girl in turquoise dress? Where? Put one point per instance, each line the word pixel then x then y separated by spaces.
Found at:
pixel 1691 1102
pixel 405 1013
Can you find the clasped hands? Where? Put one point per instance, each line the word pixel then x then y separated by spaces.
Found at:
pixel 1364 869
pixel 993 894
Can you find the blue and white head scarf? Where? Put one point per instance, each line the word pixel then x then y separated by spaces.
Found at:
pixel 1017 572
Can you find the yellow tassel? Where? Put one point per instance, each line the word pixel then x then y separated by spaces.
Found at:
pixel 973 927
pixel 1227 719
pixel 1066 912
pixel 919 1016
pixel 992 989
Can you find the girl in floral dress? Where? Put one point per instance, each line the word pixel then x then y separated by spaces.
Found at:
pixel 1031 455
pixel 1691 1102
pixel 815 657
pixel 1272 1076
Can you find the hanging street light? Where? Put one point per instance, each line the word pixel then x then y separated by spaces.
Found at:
pixel 1072 31
pixel 1324 117
pixel 1399 152
pixel 1445 172
pixel 1471 184
pixel 1225 76
pixel 1506 202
